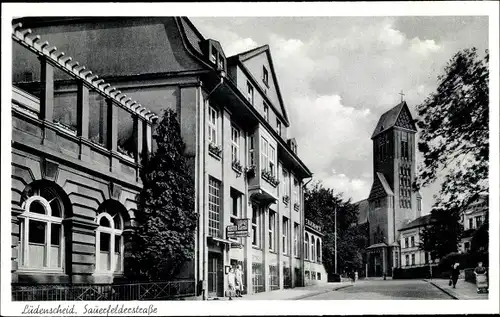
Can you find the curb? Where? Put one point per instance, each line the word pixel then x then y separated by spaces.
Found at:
pixel 321 292
pixel 442 289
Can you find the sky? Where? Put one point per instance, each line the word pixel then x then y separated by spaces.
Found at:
pixel 338 75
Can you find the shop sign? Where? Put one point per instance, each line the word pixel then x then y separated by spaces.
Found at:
pixel 238 230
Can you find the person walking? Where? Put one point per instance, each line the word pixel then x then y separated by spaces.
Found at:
pixel 231 282
pixel 481 280
pixel 455 272
pixel 239 281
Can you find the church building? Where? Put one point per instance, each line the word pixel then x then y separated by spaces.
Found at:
pixel 392 202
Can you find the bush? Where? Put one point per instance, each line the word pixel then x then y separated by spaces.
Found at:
pixel 466 260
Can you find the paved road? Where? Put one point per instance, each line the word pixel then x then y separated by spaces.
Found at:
pixel 383 290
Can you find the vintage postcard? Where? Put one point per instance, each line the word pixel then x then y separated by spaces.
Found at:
pixel 173 159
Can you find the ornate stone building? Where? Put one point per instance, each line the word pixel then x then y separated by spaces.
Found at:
pixel 233 120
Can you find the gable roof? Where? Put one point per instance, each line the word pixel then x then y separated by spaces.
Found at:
pixel 419 222
pixel 389 118
pixel 242 57
pixel 380 187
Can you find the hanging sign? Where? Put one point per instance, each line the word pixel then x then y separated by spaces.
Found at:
pixel 238 230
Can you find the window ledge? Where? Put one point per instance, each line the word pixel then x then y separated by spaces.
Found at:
pixel 256 247
pixel 40 270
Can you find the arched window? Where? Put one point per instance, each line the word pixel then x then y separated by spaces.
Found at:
pixel 41 241
pixel 318 250
pixel 313 247
pixel 109 243
pixel 306 247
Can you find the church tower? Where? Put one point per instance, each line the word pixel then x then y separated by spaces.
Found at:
pixel 392 200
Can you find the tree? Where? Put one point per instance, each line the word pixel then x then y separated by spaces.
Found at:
pixel 166 216
pixel 320 204
pixel 442 235
pixel 454 130
pixel 455 146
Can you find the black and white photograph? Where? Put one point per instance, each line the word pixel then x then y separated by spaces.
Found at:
pixel 220 154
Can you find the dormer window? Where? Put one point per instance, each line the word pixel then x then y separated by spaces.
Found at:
pixel 213 56
pixel 265 76
pixel 220 62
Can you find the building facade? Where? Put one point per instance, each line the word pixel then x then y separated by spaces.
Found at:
pixel 410 254
pixel 392 202
pixel 246 170
pixel 472 218
pixel 314 271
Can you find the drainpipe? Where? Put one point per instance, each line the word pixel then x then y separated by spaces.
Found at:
pixel 303 221
pixel 222 75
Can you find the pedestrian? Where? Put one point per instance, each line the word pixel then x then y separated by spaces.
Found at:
pixel 231 281
pixel 239 281
pixel 455 272
pixel 481 280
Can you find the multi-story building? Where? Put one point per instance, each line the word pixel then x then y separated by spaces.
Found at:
pixel 245 168
pixel 314 271
pixel 472 218
pixel 410 254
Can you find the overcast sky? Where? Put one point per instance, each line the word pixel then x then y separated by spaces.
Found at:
pixel 339 74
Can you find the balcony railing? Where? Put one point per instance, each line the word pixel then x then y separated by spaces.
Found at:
pixel 163 290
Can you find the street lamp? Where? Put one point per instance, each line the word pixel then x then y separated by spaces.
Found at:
pixel 335 220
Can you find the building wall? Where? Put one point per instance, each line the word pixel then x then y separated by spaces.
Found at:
pixel 420 258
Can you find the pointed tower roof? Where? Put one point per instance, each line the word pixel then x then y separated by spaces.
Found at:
pixel 390 119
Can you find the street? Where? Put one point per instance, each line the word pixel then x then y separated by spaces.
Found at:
pixel 383 290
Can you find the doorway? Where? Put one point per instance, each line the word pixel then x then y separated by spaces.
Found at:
pixel 215 275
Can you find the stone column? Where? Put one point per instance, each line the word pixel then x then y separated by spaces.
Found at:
pixel 47 102
pixel 139 136
pixel 82 115
pixel 112 136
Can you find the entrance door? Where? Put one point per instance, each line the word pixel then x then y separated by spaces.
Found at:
pixel 215 275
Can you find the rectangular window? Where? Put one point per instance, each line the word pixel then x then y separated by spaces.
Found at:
pixel 235 205
pixel 213 116
pixel 471 223
pixel 407 260
pixel 278 126
pixel 285 235
pixel 235 144
pixel 272 230
pixel 213 56
pixel 413 259
pixel 478 221
pixel 272 166
pixel 296 239
pixel 412 241
pixel 265 76
pixel 266 112
pixel 284 184
pixel 466 246
pixel 220 62
pixel 250 92
pixel 255 227
pixel 406 242
pixel 251 151
pixel 295 191
pixel 214 207
pixel 264 157
pixel 404 145
pixel 426 257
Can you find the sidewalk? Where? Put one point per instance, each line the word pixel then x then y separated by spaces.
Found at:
pixel 294 293
pixel 463 290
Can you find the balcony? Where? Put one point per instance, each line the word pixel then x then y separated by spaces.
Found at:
pixel 63 110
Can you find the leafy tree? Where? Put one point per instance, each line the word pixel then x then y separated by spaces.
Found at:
pixel 454 144
pixel 166 216
pixel 442 235
pixel 320 204
pixel 454 130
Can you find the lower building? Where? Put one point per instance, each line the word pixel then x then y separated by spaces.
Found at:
pixel 410 255
pixel 314 271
